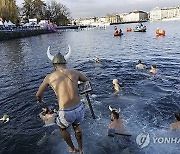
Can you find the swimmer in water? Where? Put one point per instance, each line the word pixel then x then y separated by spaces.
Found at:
pixel 139 65
pixel 116 85
pixel 48 116
pixel 153 69
pixel 97 60
pixel 116 124
pixel 176 125
pixel 5 118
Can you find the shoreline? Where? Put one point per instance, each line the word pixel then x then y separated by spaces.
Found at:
pixel 15 33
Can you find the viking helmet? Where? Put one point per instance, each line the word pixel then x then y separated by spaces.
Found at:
pixel 113 109
pixel 58 58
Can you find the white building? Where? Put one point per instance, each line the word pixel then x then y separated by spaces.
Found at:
pixel 164 13
pixel 33 21
pixel 44 23
pixel 155 14
pixel 85 21
pixel 135 16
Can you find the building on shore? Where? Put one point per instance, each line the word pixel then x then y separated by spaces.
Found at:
pixel 84 21
pixel 94 22
pixel 113 18
pixel 157 14
pixel 134 16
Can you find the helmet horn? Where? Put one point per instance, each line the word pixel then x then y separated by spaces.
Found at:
pixel 68 54
pixel 119 110
pixel 110 108
pixel 49 54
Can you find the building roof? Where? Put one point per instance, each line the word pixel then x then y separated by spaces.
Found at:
pixel 137 11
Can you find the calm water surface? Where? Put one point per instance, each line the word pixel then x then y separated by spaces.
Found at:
pixel 147 102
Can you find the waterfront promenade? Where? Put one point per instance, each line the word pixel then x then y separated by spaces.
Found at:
pixel 14 33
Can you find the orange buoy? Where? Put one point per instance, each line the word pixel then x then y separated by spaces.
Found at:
pixel 128 29
pixel 160 32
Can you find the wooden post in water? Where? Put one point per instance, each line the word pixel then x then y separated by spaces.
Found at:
pixel 90 106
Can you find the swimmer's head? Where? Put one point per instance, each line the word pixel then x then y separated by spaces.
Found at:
pixel 5 118
pixel 139 61
pixel 115 81
pixel 97 60
pixel 47 111
pixel 114 115
pixel 153 66
pixel 177 116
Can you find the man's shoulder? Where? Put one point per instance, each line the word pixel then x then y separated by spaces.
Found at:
pixel 49 75
pixel 72 71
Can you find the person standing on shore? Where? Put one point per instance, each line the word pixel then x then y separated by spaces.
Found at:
pixel 64 82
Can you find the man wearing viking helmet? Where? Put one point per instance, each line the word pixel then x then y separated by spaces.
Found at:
pixel 64 82
pixel 116 123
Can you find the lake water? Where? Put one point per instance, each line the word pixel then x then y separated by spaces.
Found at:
pixel 147 101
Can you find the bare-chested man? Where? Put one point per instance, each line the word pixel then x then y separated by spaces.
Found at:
pixel 176 125
pixel 139 65
pixel 116 124
pixel 64 82
pixel 153 69
pixel 48 116
pixel 116 85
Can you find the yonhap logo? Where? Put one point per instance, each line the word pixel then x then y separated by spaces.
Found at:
pixel 143 140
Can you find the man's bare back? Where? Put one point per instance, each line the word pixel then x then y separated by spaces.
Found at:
pixel 64 82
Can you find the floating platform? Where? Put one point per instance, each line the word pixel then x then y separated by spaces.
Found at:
pixel 70 27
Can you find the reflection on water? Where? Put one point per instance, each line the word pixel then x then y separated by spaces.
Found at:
pixel 147 101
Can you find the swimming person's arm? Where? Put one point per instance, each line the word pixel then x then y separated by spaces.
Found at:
pixel 42 116
pixel 41 89
pixel 82 77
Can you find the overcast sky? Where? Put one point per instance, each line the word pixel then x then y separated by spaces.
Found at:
pixel 91 8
